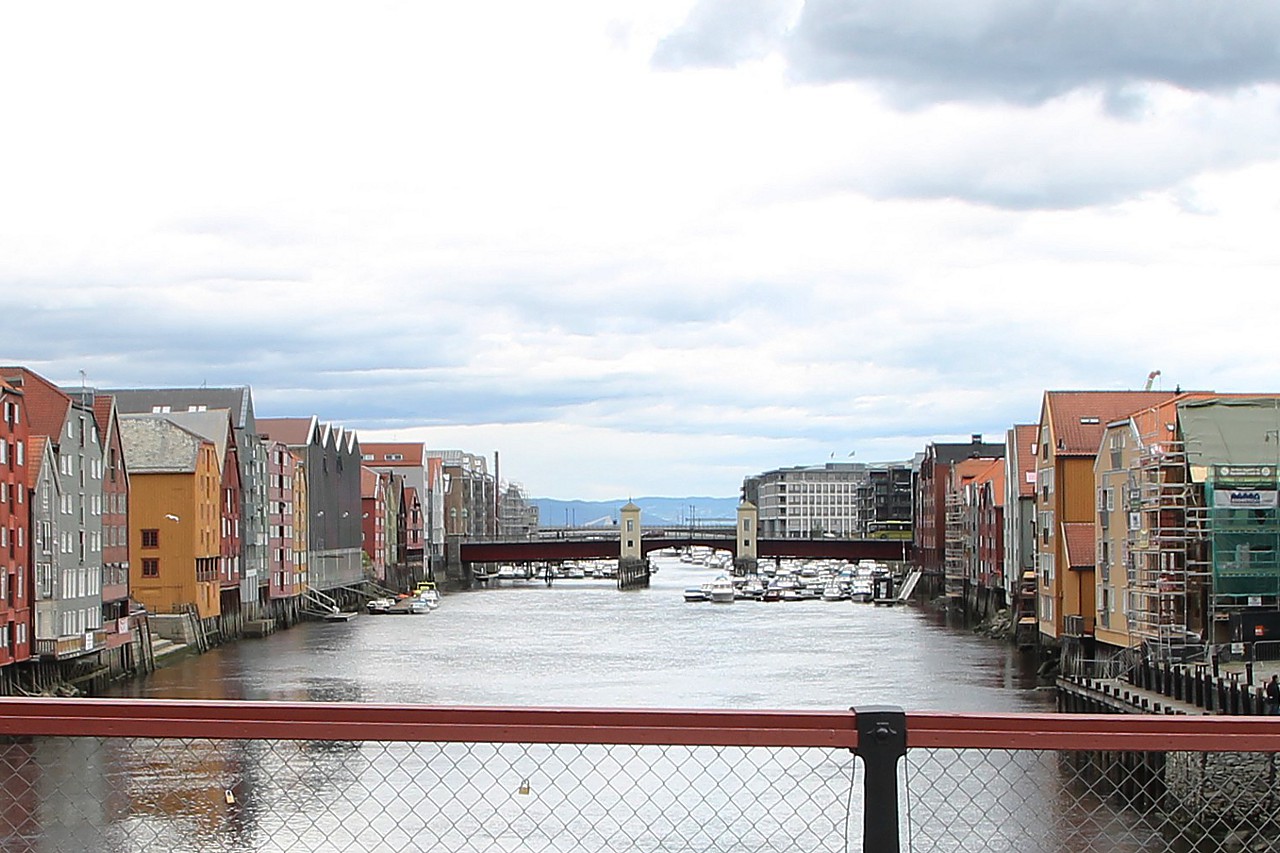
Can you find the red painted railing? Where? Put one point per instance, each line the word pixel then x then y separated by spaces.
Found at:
pixel 492 773
pixel 163 718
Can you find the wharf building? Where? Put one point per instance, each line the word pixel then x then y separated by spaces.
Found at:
pixel 254 572
pixel 973 565
pixel 933 480
pixel 423 478
pixel 843 500
pixel 1187 528
pixel 1020 531
pixel 72 552
pixel 15 533
pixel 1072 424
pixel 329 458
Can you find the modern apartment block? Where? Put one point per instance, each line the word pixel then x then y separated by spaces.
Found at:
pixel 470 492
pixel 517 517
pixel 844 500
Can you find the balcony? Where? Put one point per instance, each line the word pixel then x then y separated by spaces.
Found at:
pixel 64 648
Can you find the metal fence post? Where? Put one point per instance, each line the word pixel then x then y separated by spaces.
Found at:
pixel 882 740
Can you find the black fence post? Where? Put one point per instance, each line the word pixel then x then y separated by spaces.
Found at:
pixel 882 740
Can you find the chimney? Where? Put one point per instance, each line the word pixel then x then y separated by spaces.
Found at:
pixel 977 437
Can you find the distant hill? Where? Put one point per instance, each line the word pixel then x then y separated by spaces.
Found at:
pixel 653 511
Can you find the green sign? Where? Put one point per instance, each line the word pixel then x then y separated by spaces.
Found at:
pixel 1236 476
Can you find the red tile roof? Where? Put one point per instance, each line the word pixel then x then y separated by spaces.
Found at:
pixel 36 445
pixel 993 474
pixel 368 482
pixel 294 432
pixel 1079 418
pixel 102 406
pixel 411 452
pixel 1081 549
pixel 47 406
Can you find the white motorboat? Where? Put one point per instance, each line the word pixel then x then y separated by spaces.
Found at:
pixel 379 605
pixel 721 590
pixel 695 593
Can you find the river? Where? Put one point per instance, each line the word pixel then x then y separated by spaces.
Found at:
pixel 585 644
pixel 523 643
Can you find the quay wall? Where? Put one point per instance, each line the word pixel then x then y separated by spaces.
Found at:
pixel 1212 791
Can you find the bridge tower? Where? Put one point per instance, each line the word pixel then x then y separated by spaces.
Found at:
pixel 746 561
pixel 633 568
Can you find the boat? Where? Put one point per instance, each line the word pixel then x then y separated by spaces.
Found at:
pixel 721 590
pixel 695 593
pixel 833 591
pixel 379 605
pixel 427 593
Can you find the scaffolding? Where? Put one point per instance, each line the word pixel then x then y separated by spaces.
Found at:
pixel 1165 530
pixel 956 545
pixel 1242 524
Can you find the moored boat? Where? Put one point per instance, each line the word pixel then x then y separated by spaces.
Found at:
pixel 721 590
pixel 379 605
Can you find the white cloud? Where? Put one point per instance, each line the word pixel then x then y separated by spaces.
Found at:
pixel 500 224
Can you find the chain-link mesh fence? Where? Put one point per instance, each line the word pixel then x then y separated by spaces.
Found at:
pixel 265 792
pixel 78 794
pixel 1044 802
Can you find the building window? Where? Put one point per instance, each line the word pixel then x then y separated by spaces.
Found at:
pixel 150 567
pixel 151 538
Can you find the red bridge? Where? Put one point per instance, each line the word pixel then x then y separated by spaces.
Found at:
pixel 588 548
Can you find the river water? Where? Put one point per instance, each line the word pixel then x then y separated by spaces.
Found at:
pixel 585 644
pixel 572 644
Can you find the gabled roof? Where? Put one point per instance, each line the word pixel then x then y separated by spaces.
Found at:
pixel 950 454
pixel 37 449
pixel 294 432
pixel 1079 418
pixel 993 474
pixel 411 495
pixel 1078 536
pixel 238 400
pixel 214 425
pixel 156 445
pixel 47 405
pixel 968 470
pixel 410 452
pixel 1025 435
pixel 369 480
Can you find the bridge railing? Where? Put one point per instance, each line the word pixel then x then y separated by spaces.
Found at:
pixel 167 775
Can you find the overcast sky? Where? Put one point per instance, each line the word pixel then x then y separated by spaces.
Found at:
pixel 644 248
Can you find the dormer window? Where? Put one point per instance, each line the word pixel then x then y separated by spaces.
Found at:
pixel 1088 420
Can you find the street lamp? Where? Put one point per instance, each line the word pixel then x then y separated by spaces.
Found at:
pixel 171 516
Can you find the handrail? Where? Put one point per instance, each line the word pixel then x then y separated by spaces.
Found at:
pixel 171 718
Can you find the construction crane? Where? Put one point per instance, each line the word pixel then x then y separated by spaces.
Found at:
pixel 1151 377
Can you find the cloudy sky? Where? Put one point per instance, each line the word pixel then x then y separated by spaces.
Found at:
pixel 644 248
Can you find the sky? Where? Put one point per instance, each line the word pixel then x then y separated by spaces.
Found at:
pixel 644 248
